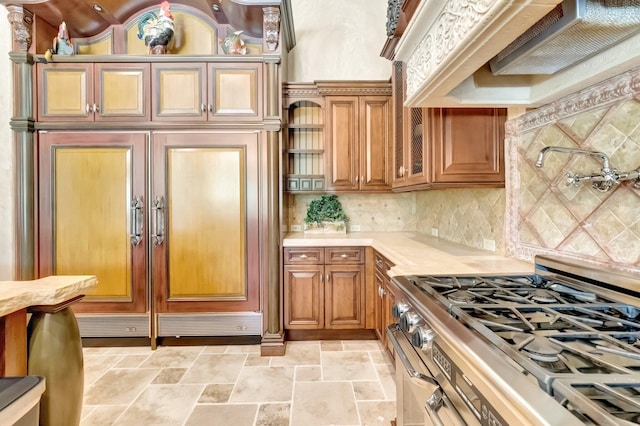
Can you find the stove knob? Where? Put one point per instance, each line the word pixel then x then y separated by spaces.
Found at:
pixel 422 336
pixel 399 309
pixel 409 321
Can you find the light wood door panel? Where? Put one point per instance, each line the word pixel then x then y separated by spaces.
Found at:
pixel 235 91
pixel 123 92
pixel 65 92
pixel 85 215
pixel 205 222
pixel 180 92
pixel 342 154
pixel 209 259
pixel 304 307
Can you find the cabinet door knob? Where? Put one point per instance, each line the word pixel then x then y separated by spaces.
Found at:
pixel 203 108
pixel 96 108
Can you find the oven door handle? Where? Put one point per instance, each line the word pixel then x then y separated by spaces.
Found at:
pixel 436 397
pixel 422 380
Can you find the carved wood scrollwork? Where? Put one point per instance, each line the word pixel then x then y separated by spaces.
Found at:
pixel 21 25
pixel 271 27
pixel 393 13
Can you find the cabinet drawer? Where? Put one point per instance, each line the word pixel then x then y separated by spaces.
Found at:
pixel 304 256
pixel 338 255
pixel 382 263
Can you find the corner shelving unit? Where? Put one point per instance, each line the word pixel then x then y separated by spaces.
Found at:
pixel 305 147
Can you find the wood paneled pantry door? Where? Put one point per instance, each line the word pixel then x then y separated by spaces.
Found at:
pixel 167 221
pixel 91 201
pixel 205 222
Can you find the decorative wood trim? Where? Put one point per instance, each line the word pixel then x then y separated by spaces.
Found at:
pixel 271 27
pixel 20 21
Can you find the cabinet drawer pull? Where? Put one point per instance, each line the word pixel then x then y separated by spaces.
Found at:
pixel 303 256
pixel 379 263
pixel 344 255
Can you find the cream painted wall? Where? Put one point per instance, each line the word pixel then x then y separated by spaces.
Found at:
pixel 338 40
pixel 7 219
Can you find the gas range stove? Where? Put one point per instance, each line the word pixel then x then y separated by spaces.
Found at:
pixel 570 330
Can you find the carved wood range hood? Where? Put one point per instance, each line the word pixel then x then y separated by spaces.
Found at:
pixel 447 46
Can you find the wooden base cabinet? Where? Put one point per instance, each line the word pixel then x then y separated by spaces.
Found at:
pixel 384 300
pixel 324 288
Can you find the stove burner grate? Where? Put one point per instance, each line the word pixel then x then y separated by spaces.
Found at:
pixel 461 296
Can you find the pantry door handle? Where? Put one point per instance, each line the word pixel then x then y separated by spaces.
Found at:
pixel 158 221
pixel 136 210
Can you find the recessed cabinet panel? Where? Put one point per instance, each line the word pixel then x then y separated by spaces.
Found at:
pixel 342 150
pixel 123 91
pixel 65 92
pixel 344 296
pixel 180 92
pixel 236 91
pixel 468 144
pixel 375 143
pixel 206 223
pixel 305 300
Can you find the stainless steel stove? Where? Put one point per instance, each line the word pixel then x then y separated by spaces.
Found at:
pixel 559 346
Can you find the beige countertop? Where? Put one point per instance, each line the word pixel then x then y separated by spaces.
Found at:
pixel 417 253
pixel 16 295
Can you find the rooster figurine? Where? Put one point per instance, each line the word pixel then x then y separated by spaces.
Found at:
pixel 157 31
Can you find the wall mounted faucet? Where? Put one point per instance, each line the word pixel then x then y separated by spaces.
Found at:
pixel 602 181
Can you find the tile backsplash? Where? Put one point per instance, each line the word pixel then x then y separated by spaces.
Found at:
pixel 544 214
pixel 467 216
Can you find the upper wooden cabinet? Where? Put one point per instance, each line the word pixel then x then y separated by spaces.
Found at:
pixel 446 147
pixel 468 145
pixel 93 92
pixel 358 143
pixel 207 92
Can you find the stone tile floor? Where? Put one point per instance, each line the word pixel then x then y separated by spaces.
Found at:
pixel 315 383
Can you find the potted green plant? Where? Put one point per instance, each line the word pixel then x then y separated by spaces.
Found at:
pixel 324 215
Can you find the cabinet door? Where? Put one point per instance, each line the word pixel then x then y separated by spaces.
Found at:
pixel 375 143
pixel 342 151
pixel 417 142
pixel 122 92
pixel 379 306
pixel 65 92
pixel 344 296
pixel 303 297
pixel 468 145
pixel 87 184
pixel 235 92
pixel 206 222
pixel 179 92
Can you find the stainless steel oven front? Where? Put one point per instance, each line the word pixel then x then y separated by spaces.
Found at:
pixel 420 399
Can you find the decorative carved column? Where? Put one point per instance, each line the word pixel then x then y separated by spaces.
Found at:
pixel 22 124
pixel 273 338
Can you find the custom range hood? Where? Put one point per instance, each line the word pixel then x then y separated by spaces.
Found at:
pixel 506 52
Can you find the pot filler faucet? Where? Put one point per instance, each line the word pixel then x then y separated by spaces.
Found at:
pixel 602 181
